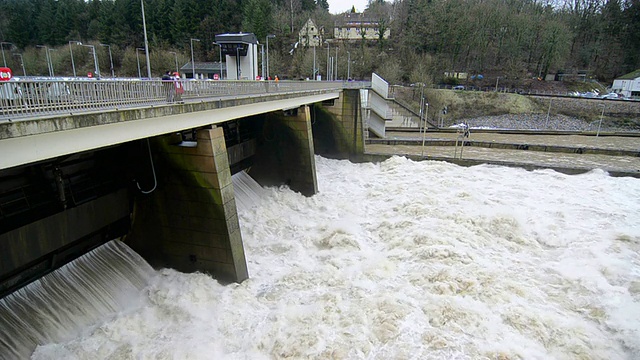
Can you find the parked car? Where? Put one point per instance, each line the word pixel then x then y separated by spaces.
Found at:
pixel 610 96
pixel 458 87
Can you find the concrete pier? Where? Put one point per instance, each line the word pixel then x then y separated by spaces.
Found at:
pixel 190 222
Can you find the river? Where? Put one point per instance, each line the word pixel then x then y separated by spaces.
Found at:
pixel 405 260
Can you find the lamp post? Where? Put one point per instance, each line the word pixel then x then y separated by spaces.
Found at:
pixel 22 63
pixel 314 62
pixel 175 54
pixel 193 65
pixel 73 64
pixel 328 46
pixel 600 123
pixel 46 54
pixel 348 66
pixel 138 58
pixel 110 59
pixel 146 42
pixel 424 132
pixel 335 77
pixel 238 70
pixel 1 47
pixel 220 48
pixel 268 37
pixel 548 113
pixel 262 56
pixel 95 60
pixel 53 74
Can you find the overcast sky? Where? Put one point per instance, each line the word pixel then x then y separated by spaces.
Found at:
pixel 340 6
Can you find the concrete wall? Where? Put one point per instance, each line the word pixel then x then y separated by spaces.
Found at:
pixel 34 249
pixel 338 128
pixel 190 222
pixel 285 153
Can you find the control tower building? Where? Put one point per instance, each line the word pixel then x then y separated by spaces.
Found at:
pixel 241 55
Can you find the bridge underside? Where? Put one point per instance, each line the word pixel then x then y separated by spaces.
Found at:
pixel 174 205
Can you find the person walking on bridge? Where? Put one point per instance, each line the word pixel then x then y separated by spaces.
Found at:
pixel 168 85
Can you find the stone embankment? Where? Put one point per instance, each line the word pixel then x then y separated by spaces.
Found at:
pixel 568 114
pixel 591 108
pixel 540 122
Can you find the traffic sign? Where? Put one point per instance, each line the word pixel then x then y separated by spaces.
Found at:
pixel 5 74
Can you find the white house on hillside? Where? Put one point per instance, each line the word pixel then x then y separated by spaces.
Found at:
pixel 627 85
pixel 310 35
pixel 356 26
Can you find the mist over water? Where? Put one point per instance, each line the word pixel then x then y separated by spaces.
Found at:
pixel 407 260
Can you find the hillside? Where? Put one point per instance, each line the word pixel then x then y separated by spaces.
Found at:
pixel 462 105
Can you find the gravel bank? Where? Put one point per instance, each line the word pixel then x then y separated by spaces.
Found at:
pixel 540 122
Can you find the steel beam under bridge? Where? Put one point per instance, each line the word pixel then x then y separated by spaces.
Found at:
pixel 42 146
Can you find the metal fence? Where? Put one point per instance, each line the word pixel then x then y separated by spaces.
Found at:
pixel 37 98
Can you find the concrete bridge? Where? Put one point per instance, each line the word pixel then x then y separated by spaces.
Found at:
pixel 86 162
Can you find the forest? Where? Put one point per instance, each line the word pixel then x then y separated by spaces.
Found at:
pixel 513 38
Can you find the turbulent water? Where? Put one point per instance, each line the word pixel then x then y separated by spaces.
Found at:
pixel 406 260
pixel 64 304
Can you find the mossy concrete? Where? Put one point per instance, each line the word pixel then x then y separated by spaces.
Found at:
pixel 190 221
pixel 285 155
pixel 338 127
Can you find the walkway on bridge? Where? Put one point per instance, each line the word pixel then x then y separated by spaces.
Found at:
pixel 619 155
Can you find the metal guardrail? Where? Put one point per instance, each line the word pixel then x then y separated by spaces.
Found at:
pixel 36 98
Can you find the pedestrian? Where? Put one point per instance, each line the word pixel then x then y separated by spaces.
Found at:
pixel 169 87
pixel 178 85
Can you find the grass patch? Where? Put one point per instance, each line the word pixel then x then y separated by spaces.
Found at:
pixel 467 104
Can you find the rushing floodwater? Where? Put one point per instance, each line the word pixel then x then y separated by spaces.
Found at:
pixel 407 260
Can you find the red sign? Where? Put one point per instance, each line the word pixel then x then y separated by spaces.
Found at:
pixel 89 74
pixel 216 77
pixel 5 74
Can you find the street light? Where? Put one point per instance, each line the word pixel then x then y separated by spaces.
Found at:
pixel 95 59
pixel 328 46
pixel 335 76
pixel 110 59
pixel 73 65
pixel 51 61
pixel 146 42
pixel 348 66
pixel 220 47
pixel 22 63
pixel 138 58
pixel 600 123
pixel 46 54
pixel 314 77
pixel 193 65
pixel 1 47
pixel 262 57
pixel 270 36
pixel 424 133
pixel 175 54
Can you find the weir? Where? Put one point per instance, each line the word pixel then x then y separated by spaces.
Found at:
pixel 175 206
pixel 57 306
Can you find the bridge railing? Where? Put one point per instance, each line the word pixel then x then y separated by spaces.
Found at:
pixel 34 98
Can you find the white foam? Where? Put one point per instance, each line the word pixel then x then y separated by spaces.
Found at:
pixel 410 260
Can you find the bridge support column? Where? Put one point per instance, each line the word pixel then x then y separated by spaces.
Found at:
pixel 190 222
pixel 285 154
pixel 338 127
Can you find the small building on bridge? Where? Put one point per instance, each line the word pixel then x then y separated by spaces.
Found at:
pixel 203 70
pixel 241 55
